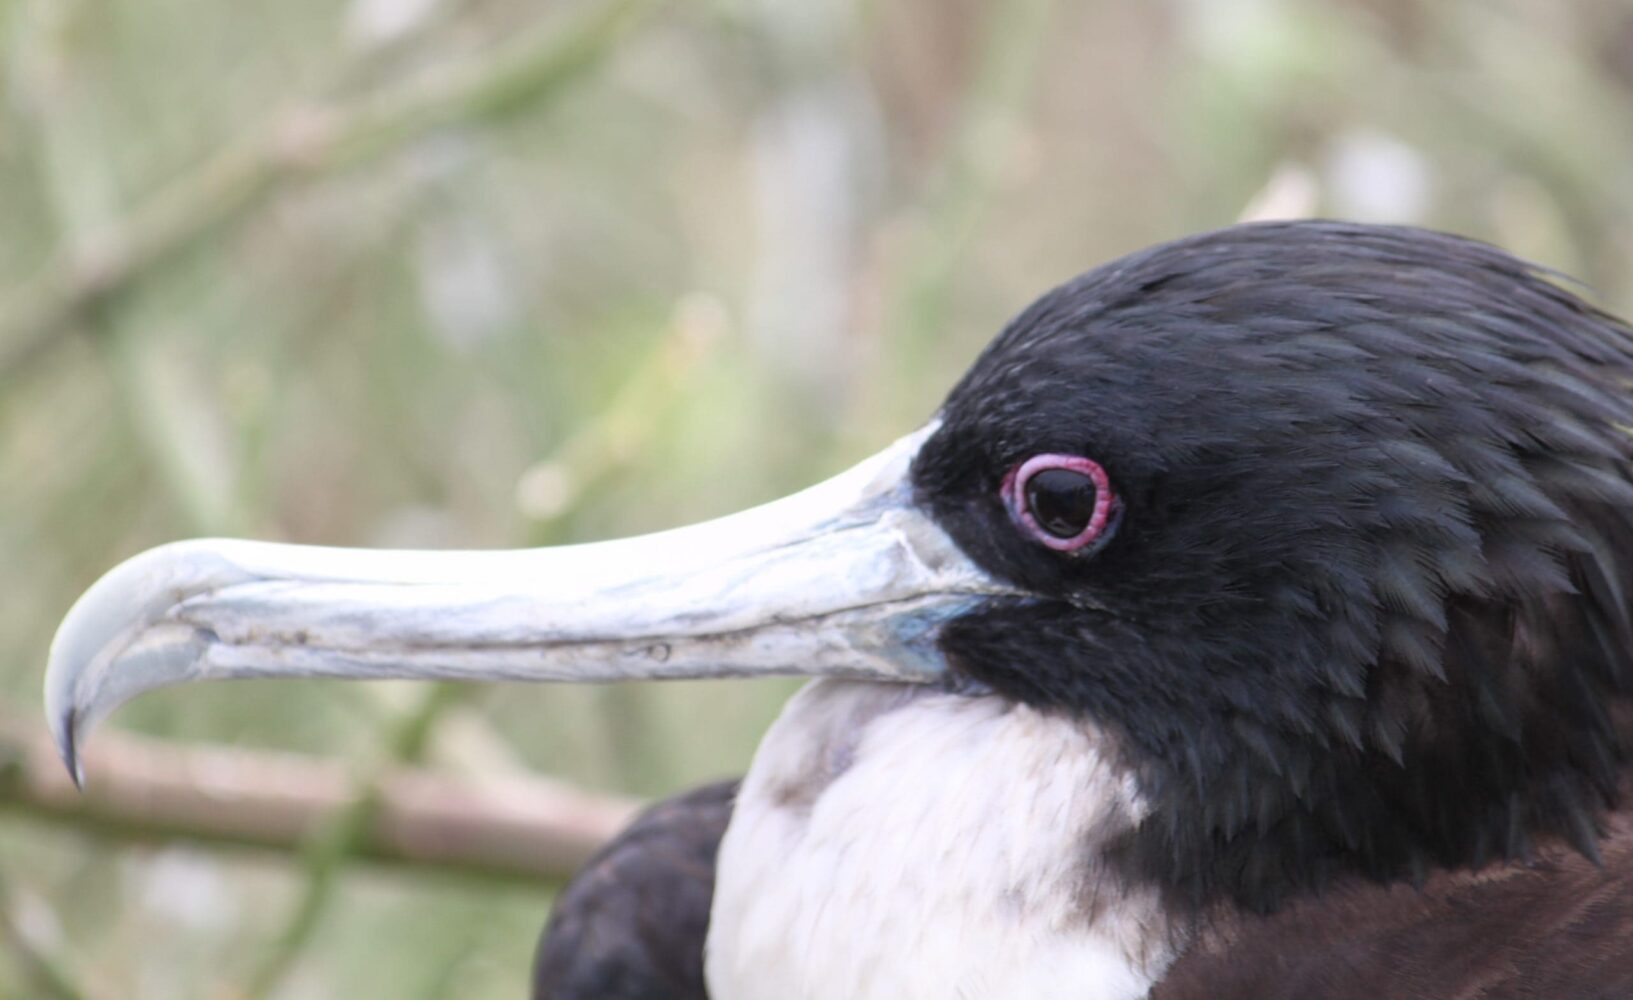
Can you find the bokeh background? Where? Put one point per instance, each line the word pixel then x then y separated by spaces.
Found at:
pixel 469 273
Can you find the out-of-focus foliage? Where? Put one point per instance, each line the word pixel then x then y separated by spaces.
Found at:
pixel 799 219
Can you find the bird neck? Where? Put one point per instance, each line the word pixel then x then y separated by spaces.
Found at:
pixel 892 841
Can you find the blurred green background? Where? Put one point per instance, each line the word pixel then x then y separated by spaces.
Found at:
pixel 470 273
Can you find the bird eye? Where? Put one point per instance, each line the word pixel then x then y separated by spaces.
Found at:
pixel 1063 501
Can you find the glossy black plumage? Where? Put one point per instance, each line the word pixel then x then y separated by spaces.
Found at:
pixel 631 924
pixel 1366 615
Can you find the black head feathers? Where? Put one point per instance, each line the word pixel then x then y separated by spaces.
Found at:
pixel 1365 609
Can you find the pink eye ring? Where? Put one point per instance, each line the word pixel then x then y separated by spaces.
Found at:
pixel 1063 501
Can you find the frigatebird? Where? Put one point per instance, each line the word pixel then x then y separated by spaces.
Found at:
pixel 1253 620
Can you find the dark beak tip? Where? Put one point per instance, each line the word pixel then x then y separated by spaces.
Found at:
pixel 68 750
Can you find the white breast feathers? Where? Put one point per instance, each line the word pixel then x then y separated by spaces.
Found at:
pixel 898 843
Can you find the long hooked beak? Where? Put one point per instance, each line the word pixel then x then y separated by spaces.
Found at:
pixel 848 578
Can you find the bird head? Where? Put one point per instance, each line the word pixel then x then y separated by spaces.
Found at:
pixel 1362 602
pixel 1327 528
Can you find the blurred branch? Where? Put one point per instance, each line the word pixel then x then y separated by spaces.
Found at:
pixel 961 190
pixel 149 790
pixel 606 442
pixel 302 143
pixel 345 833
pixel 991 120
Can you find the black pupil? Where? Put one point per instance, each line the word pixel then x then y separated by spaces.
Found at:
pixel 1061 501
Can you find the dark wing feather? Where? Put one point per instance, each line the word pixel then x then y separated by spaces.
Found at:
pixel 1558 927
pixel 631 924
